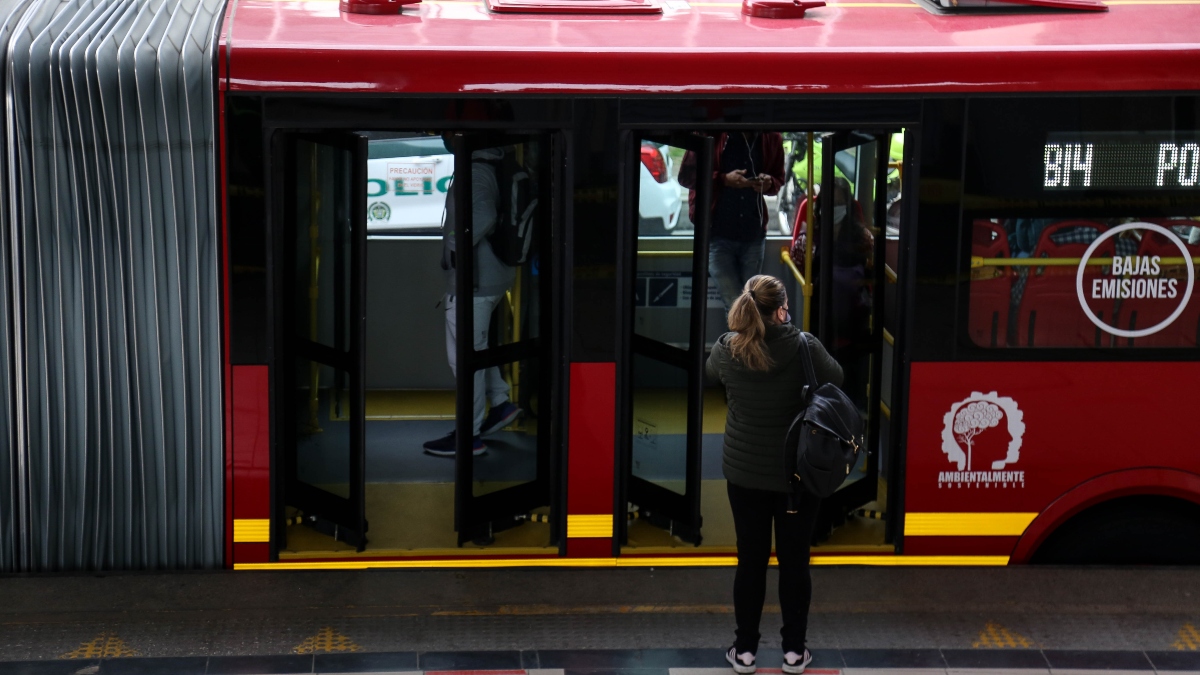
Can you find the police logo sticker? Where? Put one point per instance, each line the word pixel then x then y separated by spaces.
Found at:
pixel 379 211
pixel 983 430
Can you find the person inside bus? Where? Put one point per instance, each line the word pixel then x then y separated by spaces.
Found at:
pixel 747 165
pixel 759 365
pixel 853 247
pixel 493 278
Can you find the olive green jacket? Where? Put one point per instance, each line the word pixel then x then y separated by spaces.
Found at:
pixel 762 404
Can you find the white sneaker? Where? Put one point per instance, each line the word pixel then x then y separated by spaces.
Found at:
pixel 794 663
pixel 742 663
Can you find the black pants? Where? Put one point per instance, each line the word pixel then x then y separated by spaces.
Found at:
pixel 754 512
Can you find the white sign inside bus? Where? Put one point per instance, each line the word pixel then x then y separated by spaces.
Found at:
pixel 1119 161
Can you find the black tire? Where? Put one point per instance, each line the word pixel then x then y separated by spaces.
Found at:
pixel 1128 531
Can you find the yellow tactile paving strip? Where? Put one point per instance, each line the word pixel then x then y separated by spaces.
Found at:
pixel 995 636
pixel 327 641
pixel 106 645
pixel 1189 638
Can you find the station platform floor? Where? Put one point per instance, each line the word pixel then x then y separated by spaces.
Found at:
pixel 676 621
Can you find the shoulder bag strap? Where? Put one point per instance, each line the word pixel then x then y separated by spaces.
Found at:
pixel 806 358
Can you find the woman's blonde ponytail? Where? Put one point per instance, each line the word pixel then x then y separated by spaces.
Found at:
pixel 761 297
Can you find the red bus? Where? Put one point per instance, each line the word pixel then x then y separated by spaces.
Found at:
pixel 1020 338
pixel 233 307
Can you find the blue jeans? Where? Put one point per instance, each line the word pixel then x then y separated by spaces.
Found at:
pixel 731 263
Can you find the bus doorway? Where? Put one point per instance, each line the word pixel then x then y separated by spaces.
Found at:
pixel 384 333
pixel 671 422
pixel 848 276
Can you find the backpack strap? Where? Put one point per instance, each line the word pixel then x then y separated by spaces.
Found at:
pixel 806 358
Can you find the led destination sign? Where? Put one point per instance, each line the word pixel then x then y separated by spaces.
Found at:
pixel 1121 161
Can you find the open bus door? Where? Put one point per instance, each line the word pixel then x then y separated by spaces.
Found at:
pixel 850 278
pixel 501 487
pixel 663 366
pixel 321 249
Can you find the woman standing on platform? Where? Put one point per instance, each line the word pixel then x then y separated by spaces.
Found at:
pixel 759 365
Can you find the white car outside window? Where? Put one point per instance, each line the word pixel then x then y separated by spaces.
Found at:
pixel 407 180
pixel 659 196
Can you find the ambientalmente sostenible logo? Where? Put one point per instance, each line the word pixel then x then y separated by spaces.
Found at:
pixel 983 430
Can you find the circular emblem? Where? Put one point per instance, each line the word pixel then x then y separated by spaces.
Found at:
pixel 379 211
pixel 1141 332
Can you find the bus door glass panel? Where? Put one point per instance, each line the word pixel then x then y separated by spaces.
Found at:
pixel 667 349
pixel 503 457
pixel 324 248
pixel 850 250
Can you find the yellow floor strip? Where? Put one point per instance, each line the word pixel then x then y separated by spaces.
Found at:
pixel 966 524
pixel 251 530
pixel 585 526
pixel 679 561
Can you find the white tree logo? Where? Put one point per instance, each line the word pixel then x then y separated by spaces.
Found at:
pixel 972 416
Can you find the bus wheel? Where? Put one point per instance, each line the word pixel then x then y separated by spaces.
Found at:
pixel 1143 530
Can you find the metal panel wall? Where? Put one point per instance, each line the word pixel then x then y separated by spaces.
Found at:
pixel 110 414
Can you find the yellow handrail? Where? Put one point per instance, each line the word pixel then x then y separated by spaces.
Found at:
pixel 979 261
pixel 512 299
pixel 313 425
pixel 786 259
pixel 890 273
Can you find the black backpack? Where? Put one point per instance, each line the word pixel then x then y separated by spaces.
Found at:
pixel 512 238
pixel 825 438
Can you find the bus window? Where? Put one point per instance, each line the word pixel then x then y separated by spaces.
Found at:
pixel 1083 225
pixel 1079 282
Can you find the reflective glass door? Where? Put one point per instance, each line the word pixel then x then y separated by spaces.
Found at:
pixel 663 360
pixel 849 277
pixel 321 249
pixel 503 372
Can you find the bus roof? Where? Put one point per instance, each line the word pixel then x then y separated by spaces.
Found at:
pixel 705 47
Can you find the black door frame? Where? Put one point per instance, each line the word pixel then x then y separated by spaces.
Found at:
pixel 318 114
pixel 477 518
pixel 680 513
pixel 835 507
pixel 627 242
pixel 343 518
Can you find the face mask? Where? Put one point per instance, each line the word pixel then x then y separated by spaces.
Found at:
pixel 839 212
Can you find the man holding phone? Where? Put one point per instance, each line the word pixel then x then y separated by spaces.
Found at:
pixel 747 166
